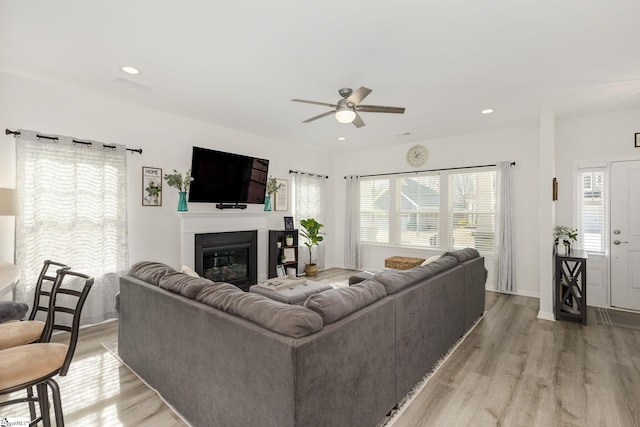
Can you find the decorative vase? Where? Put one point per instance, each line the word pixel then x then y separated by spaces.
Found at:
pixel 182 202
pixel 288 241
pixel 567 247
pixel 267 202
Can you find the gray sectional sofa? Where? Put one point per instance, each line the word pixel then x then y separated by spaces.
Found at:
pixel 223 357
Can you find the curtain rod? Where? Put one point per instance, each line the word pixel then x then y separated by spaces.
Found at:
pixel 309 173
pixel 75 141
pixel 430 170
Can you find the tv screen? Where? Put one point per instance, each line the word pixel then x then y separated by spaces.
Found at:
pixel 220 177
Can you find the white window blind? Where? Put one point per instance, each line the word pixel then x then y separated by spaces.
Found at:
pixel 374 209
pixel 472 210
pixel 591 201
pixel 417 206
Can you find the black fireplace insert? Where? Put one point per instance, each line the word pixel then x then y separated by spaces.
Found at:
pixel 230 257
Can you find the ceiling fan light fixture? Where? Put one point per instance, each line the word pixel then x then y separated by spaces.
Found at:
pixel 345 115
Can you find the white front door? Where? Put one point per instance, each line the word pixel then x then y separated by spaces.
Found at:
pixel 625 234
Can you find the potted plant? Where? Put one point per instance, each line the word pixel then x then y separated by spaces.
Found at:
pixel 567 235
pixel 311 232
pixel 182 184
pixel 288 239
pixel 272 187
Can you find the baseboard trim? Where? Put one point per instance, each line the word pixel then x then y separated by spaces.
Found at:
pixel 544 315
pixel 523 293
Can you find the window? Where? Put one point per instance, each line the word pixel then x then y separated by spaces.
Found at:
pixel 308 201
pixel 418 210
pixel 433 210
pixel 591 206
pixel 472 210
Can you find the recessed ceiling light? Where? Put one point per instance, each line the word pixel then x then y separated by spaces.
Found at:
pixel 130 70
pixel 342 138
pixel 487 111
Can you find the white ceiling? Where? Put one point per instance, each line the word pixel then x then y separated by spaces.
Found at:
pixel 239 64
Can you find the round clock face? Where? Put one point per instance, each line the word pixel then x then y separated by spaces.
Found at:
pixel 417 155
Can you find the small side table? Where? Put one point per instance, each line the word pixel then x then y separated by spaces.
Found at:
pixel 570 290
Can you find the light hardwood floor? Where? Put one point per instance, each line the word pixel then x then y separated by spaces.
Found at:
pixel 512 370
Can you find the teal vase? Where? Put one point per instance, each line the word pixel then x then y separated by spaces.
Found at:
pixel 182 202
pixel 267 203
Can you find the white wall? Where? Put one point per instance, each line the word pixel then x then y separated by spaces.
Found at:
pixel 166 140
pixel 519 145
pixel 601 139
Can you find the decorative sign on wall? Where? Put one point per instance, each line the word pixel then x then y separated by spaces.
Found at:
pixel 282 196
pixel 151 186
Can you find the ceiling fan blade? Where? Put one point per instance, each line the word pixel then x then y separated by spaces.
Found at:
pixel 315 102
pixel 358 95
pixel 318 117
pixel 380 109
pixel 357 122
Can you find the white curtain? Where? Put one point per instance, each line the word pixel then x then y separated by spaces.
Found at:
pixel 73 210
pixel 505 257
pixel 309 201
pixel 352 256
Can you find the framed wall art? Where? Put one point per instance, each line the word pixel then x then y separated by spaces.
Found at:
pixel 282 196
pixel 151 186
pixel 288 223
pixel 637 140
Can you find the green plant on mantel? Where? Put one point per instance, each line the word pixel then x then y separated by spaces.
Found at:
pixel 176 180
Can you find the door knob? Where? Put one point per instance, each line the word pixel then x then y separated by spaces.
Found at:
pixel 617 242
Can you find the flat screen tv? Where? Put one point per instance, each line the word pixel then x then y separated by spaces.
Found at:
pixel 220 177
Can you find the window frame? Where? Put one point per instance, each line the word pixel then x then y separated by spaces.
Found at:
pixel 445 213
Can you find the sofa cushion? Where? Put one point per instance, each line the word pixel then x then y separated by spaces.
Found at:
pixel 10 310
pixel 183 284
pixel 396 281
pixel 189 272
pixel 150 272
pixel 431 259
pixel 335 304
pixel 212 287
pixel 463 255
pixel 290 320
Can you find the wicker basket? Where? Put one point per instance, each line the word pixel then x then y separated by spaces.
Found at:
pixel 402 262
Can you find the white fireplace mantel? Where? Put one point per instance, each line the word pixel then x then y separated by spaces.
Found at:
pixel 192 223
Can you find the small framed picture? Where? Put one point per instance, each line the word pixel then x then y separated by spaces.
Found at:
pixel 282 195
pixel 637 140
pixel 288 223
pixel 280 270
pixel 151 186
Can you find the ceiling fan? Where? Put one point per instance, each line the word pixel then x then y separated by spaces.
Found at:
pixel 346 110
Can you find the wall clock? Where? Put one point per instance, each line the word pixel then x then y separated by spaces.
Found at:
pixel 417 155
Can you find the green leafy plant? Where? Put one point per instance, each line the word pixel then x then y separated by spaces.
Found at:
pixel 176 180
pixel 311 232
pixel 566 234
pixel 153 189
pixel 272 185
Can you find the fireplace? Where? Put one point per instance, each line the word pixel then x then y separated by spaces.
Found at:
pixel 228 257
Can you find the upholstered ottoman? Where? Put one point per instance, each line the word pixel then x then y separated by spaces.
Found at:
pixel 402 262
pixel 296 295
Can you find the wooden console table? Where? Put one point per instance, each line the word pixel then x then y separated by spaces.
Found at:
pixel 9 277
pixel 570 290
